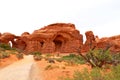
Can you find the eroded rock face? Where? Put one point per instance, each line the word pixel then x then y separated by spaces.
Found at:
pixel 59 38
pixel 90 41
pixel 112 42
pixel 6 38
pixel 0 34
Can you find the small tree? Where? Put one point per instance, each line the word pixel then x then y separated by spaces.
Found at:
pixel 97 57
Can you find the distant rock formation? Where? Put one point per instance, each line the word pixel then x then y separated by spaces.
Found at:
pixel 90 41
pixel 6 38
pixel 112 42
pixel 59 38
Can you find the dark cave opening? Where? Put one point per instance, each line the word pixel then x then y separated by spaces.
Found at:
pixel 41 43
pixel 58 45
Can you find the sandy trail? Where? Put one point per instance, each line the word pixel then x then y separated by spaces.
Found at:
pixel 35 73
pixel 19 70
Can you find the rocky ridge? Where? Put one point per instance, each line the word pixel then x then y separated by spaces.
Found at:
pixel 59 38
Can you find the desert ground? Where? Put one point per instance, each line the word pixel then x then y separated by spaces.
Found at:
pixel 30 69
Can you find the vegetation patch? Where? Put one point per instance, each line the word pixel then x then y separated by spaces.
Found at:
pixel 72 59
pixel 4 55
pixel 6 51
pixel 19 55
pixel 50 67
pixel 96 74
pixel 37 55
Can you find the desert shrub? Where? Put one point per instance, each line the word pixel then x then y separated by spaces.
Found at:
pixel 96 74
pixel 48 55
pixel 72 58
pixel 5 46
pixel 115 59
pixel 115 72
pixel 4 55
pixel 81 75
pixel 50 67
pixel 1 49
pixel 99 57
pixel 59 59
pixel 19 55
pixel 37 55
pixel 84 75
pixel 6 50
pixel 116 56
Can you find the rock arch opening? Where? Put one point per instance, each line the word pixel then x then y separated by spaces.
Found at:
pixel 41 43
pixel 10 43
pixel 58 41
pixel 20 44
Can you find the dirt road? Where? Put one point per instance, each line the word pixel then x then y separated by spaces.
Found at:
pixel 19 70
pixel 35 73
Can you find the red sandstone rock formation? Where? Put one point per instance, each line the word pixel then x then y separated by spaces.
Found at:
pixel 21 41
pixel 6 38
pixel 113 42
pixel 59 37
pixel 0 34
pixel 90 41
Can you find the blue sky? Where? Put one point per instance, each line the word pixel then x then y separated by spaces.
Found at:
pixel 100 16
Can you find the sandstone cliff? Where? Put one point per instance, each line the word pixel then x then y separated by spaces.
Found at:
pixel 60 38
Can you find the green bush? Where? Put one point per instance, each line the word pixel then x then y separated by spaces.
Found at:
pixel 5 46
pixel 37 55
pixel 96 74
pixel 115 72
pixel 48 55
pixel 99 57
pixel 19 55
pixel 4 55
pixel 72 58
